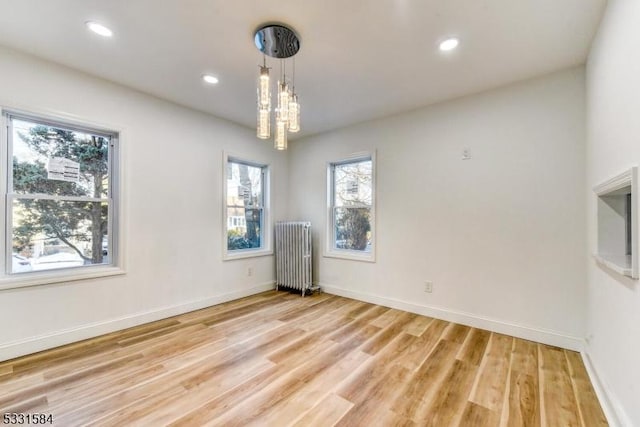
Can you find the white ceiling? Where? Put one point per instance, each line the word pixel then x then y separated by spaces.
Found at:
pixel 359 59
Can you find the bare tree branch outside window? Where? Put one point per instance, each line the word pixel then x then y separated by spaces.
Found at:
pixel 352 202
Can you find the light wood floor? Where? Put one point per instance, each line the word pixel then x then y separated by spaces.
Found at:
pixel 276 359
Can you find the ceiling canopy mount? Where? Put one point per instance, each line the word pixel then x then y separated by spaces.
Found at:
pixel 277 41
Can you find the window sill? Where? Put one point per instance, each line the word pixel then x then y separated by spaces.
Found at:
pixel 351 255
pixel 51 277
pixel 241 254
pixel 620 264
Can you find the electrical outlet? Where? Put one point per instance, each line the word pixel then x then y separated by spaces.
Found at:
pixel 428 286
pixel 250 271
pixel 466 153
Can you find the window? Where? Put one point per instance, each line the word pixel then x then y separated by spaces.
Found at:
pixel 60 201
pixel 246 209
pixel 351 209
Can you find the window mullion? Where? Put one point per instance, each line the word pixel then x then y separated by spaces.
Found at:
pixel 9 151
pixel 17 196
pixel 357 206
pixel 110 151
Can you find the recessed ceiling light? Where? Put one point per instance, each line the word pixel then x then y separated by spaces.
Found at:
pixel 99 29
pixel 449 44
pixel 212 80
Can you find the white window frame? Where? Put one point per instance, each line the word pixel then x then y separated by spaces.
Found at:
pixel 266 247
pixel 330 249
pixel 116 219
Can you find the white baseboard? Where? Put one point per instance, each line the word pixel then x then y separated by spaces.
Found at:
pixel 43 342
pixel 540 335
pixel 616 415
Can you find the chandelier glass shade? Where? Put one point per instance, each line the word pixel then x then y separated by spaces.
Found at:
pixel 264 104
pixel 280 42
pixel 294 114
pixel 282 112
pixel 280 140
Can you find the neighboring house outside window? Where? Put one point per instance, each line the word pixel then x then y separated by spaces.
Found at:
pixel 246 209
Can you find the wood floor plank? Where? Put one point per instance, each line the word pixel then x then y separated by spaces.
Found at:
pixel 448 404
pixel 523 409
pixel 310 311
pixel 560 406
pixel 356 387
pixel 199 390
pixel 476 415
pixel 456 333
pixel 85 393
pixel 474 346
pixel 82 349
pixel 11 400
pixel 278 359
pixel 200 363
pixel 525 357
pixel 198 316
pixel 359 328
pixel 359 310
pixel 387 318
pixel 133 414
pixel 523 405
pixel 369 406
pixel 387 334
pixel 378 384
pixel 215 407
pixel 18 382
pixel 288 410
pixel 591 413
pixel 173 342
pixel 330 326
pixel 326 413
pixel 422 346
pixel 489 391
pixel 418 325
pixel 425 382
pixel 33 404
pixel 306 344
pixel 246 310
pixel 338 311
pixel 140 396
pixel 251 410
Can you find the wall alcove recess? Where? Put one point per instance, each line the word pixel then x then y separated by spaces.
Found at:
pixel 617 218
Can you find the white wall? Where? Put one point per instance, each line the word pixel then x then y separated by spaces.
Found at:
pixel 502 235
pixel 613 135
pixel 172 203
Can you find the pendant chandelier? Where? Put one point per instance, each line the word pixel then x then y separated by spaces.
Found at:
pixel 280 42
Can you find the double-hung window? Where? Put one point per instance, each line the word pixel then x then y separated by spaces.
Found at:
pixel 351 195
pixel 60 200
pixel 246 209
